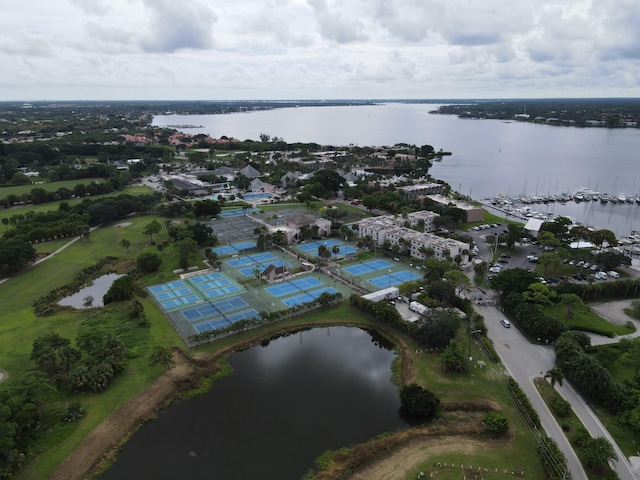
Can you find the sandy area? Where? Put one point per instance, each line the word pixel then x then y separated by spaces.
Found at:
pixel 123 224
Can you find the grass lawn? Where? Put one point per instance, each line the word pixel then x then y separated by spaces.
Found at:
pixel 49 187
pixel 46 207
pixel 587 321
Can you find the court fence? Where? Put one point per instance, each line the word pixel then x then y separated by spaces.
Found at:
pixel 266 318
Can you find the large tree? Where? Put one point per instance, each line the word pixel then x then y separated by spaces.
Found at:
pixel 15 254
pixel 418 401
pixel 329 179
pixel 152 229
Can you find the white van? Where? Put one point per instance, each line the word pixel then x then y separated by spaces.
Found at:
pixel 613 274
pixel 505 323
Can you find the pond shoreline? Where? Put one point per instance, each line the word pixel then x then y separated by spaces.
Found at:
pixel 99 448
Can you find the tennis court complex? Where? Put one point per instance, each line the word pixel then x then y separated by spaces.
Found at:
pixel 225 250
pixel 369 266
pixel 307 297
pixel 293 286
pixel 393 279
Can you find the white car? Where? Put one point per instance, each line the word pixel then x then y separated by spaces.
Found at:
pixel 613 274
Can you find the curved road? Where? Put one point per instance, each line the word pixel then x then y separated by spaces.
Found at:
pixel 525 361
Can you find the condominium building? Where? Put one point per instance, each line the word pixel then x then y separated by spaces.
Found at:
pixel 419 245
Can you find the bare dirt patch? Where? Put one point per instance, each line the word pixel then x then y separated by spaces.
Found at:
pixel 123 224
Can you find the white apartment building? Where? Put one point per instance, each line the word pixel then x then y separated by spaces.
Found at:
pixel 391 228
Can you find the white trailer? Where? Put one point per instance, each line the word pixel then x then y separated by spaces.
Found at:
pixel 418 308
pixel 390 293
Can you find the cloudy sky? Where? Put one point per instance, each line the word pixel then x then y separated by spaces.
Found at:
pixel 318 49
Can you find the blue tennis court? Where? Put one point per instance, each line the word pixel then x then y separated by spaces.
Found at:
pixel 196 313
pixel 307 297
pixel 367 267
pixel 165 295
pixel 206 277
pixel 218 292
pixel 224 250
pixel 204 286
pixel 251 259
pixel 235 248
pixel 159 288
pixel 292 286
pixel 225 321
pixel 180 292
pixel 176 284
pixel 237 212
pixel 240 262
pixel 213 309
pixel 393 279
pixel 229 304
pixel 311 246
pixel 306 282
pixel 181 301
pixel 346 250
pixel 248 271
pixel 282 289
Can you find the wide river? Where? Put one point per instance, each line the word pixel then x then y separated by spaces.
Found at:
pixel 287 402
pixel 490 157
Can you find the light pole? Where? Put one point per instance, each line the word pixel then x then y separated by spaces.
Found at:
pixel 389 277
pixel 470 337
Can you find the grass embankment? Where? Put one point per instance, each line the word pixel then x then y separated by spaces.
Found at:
pixel 47 207
pixel 570 424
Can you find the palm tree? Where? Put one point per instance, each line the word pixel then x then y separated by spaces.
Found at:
pixel 335 249
pixel 554 375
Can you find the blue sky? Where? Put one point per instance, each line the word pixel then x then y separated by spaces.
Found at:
pixel 317 49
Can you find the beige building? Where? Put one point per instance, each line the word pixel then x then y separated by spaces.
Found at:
pixel 420 190
pixel 474 213
pixel 416 244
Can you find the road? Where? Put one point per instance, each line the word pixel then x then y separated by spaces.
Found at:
pixel 525 361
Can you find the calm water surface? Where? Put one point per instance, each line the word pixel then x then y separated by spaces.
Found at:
pixel 99 287
pixel 490 157
pixel 285 404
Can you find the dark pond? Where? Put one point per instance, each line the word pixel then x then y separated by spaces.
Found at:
pixel 287 402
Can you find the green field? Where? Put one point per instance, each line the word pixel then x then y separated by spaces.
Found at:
pixel 46 207
pixel 48 186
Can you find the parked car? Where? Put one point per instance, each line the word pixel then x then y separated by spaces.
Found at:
pixel 505 323
pixel 613 274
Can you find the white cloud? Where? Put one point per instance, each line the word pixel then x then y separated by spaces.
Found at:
pixel 179 25
pixel 128 49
